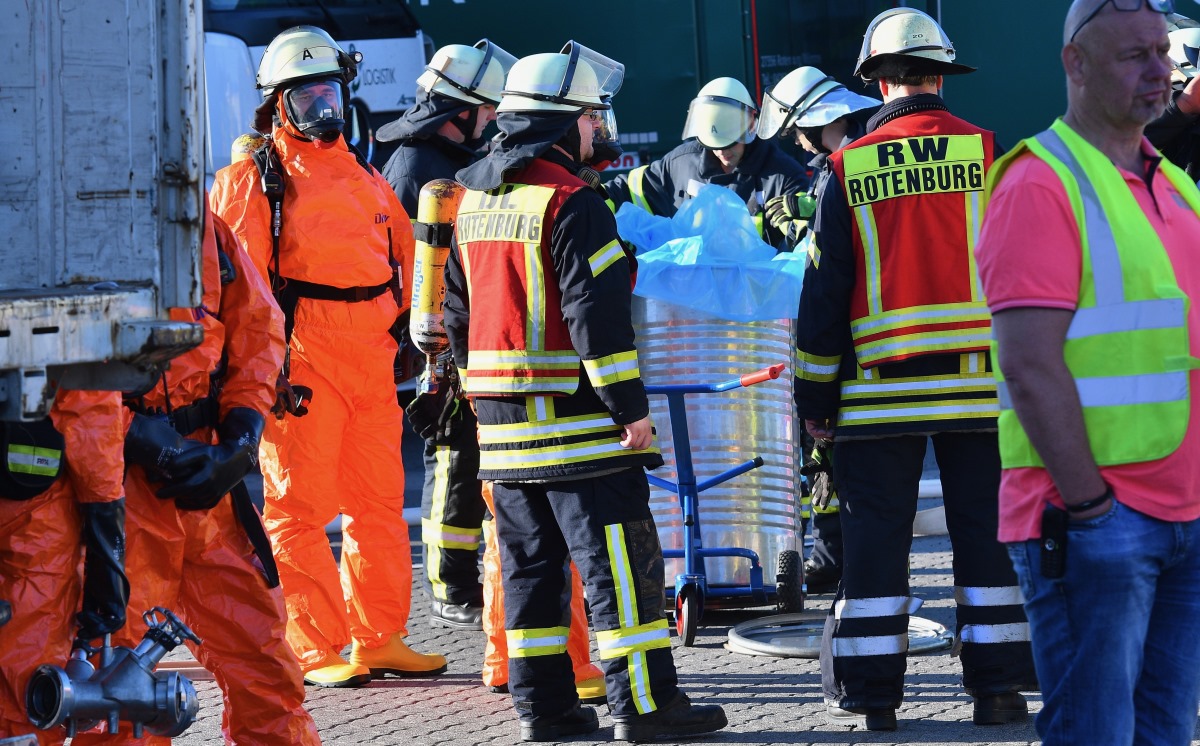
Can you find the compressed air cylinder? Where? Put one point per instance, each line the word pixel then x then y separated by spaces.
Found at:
pixel 437 207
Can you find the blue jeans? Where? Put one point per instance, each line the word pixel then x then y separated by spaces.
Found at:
pixel 1116 641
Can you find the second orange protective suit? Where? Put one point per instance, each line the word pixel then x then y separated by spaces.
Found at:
pixel 495 652
pixel 200 563
pixel 41 547
pixel 341 226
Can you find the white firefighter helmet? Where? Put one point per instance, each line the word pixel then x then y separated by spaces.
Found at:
pixel 807 97
pixel 904 41
pixel 474 75
pixel 575 79
pixel 1185 51
pixel 721 115
pixel 304 53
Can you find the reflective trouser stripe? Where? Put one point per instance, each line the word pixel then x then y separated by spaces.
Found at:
pixel 528 643
pixel 614 643
pixel 846 647
pixel 861 608
pixel 1009 595
pixel 994 633
pixel 449 537
pixel 625 588
pixel 441 493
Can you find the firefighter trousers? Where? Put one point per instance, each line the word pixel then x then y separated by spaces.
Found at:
pixel 452 514
pixel 604 524
pixel 863 653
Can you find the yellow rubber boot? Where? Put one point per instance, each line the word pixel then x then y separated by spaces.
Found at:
pixel 396 658
pixel 591 691
pixel 337 673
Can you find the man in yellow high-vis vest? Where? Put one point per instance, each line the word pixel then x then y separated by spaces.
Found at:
pixel 1088 261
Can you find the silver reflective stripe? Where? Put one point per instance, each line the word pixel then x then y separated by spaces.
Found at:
pixel 861 608
pixel 1102 245
pixel 956 337
pixel 847 647
pixel 871 241
pixel 1165 313
pixel 931 315
pixel 1009 595
pixel 917 386
pixel 994 633
pixel 1115 391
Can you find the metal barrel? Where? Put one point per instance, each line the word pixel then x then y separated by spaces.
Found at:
pixel 758 510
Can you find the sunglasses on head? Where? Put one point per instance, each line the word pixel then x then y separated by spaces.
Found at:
pixel 1127 6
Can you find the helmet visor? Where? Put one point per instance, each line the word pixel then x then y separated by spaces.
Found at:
pixel 492 52
pixel 610 74
pixel 719 122
pixel 315 107
pixel 604 123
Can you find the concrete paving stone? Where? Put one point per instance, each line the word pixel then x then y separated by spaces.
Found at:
pixel 768 700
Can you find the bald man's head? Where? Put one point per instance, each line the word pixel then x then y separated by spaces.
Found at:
pixel 1079 13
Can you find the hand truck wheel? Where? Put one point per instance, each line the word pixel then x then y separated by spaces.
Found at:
pixel 687 615
pixel 789 583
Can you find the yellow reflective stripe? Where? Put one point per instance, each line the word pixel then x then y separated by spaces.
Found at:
pixel 517 385
pixel 509 359
pixel 533 458
pixel 867 229
pixel 820 368
pixel 441 491
pixel 922 342
pixel 530 643
pixel 24 459
pixel 637 191
pixel 625 590
pixel 805 506
pixel 639 683
pixel 607 370
pixel 946 384
pixel 939 313
pixel 972 362
pixel 615 643
pixel 624 587
pixel 963 409
pixel 974 201
pixel 559 428
pixel 606 257
pixel 449 537
pixel 913 165
pixel 758 223
pixel 535 298
pixel 537 409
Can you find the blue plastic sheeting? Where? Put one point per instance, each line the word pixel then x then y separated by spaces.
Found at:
pixel 710 258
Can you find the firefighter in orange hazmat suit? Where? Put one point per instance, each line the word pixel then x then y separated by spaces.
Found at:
pixel 43 535
pixel 337 247
pixel 191 542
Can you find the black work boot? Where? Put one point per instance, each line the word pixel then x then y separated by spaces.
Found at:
pixel 820 579
pixel 680 720
pixel 457 616
pixel 1000 708
pixel 574 722
pixel 871 718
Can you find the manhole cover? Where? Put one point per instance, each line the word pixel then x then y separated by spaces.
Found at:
pixel 799 635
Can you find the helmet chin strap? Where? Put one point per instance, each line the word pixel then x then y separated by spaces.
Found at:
pixel 466 128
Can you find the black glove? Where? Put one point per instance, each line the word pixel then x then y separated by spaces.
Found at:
pixel 434 416
pixel 819 470
pixel 781 211
pixel 201 477
pixel 153 444
pixel 290 399
pixel 105 587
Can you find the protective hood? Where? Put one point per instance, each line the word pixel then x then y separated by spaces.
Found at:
pixel 423 118
pixel 523 137
pixel 833 106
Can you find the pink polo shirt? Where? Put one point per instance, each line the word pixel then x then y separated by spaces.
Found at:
pixel 1029 255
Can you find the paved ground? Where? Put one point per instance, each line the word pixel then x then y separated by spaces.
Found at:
pixel 768 700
